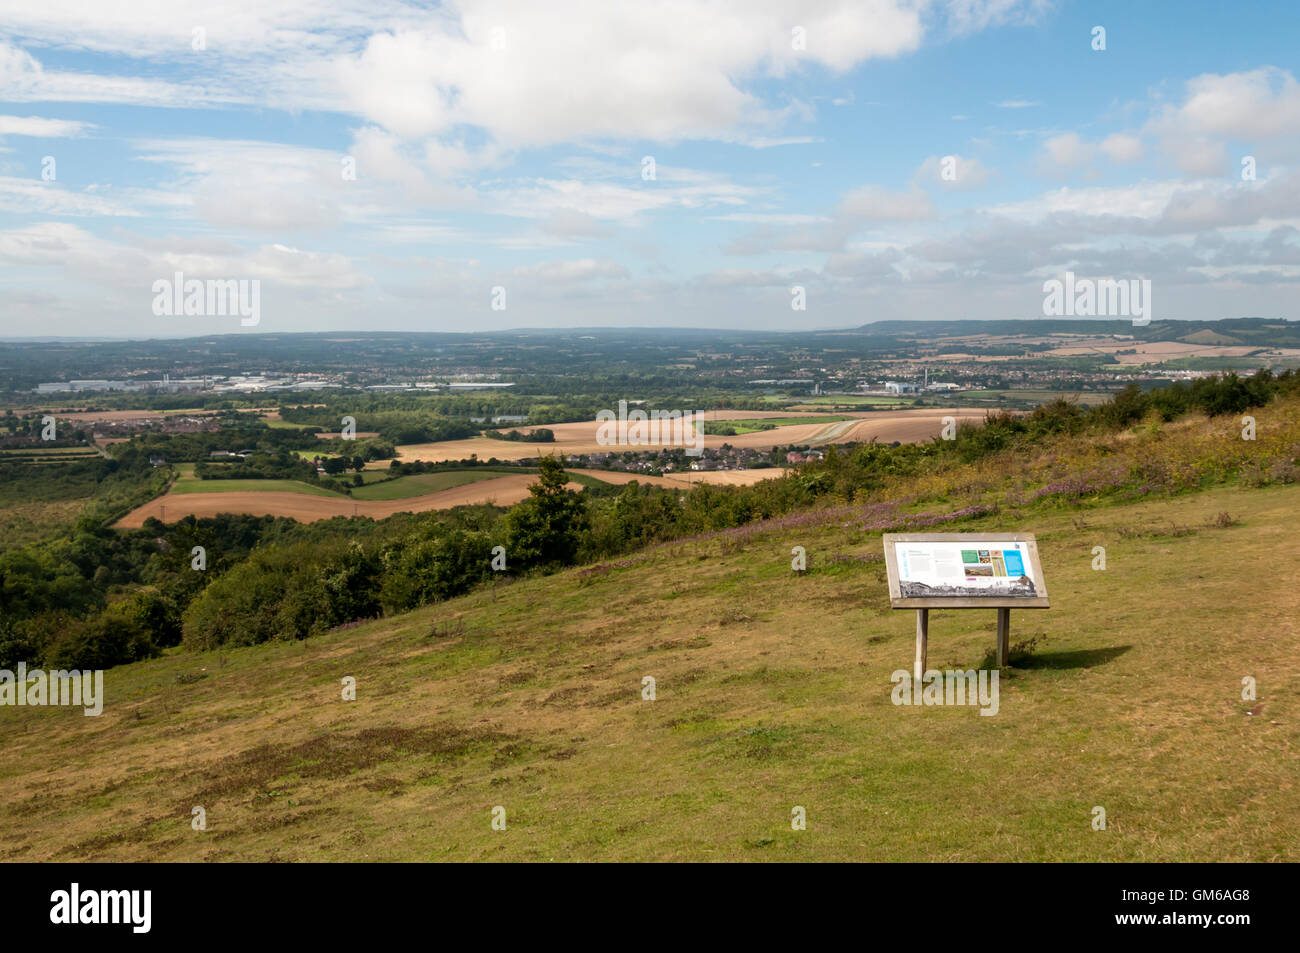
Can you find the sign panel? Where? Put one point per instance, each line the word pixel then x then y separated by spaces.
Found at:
pixel 964 570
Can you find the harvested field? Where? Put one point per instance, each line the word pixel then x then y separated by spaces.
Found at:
pixel 905 426
pixel 305 508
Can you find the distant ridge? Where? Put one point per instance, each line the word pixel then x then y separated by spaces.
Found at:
pixel 1261 332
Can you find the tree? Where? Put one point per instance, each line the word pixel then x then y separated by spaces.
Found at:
pixel 114 637
pixel 546 528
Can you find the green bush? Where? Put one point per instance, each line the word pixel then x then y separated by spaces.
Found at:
pixel 114 637
pixel 546 529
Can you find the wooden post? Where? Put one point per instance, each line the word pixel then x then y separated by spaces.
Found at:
pixel 922 640
pixel 1004 637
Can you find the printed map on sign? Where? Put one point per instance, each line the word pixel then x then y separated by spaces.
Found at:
pixel 968 568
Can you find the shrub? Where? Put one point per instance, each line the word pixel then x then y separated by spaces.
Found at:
pixel 114 637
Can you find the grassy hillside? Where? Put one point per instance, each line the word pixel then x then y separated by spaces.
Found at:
pixel 773 690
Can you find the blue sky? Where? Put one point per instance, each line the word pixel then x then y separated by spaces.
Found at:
pixel 502 145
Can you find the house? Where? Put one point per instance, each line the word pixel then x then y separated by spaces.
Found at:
pixel 156 461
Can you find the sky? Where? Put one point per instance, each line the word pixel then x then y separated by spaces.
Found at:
pixel 470 166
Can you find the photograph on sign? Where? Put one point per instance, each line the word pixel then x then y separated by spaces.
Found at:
pixel 971 568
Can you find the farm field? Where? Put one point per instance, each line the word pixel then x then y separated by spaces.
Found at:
pixel 54 455
pixel 417 493
pixel 21 453
pixel 421 483
pixel 773 690
pixel 309 507
pixel 760 424
pixel 1083 398
pixel 905 426
pixel 183 486
pixel 80 416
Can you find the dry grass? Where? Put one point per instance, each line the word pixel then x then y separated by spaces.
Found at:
pixel 773 690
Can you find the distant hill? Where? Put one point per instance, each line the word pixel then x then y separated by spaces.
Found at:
pixel 1260 332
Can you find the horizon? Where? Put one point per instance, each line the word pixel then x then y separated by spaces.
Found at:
pixel 50 339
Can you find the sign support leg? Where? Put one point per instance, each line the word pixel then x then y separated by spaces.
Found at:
pixel 1004 637
pixel 922 640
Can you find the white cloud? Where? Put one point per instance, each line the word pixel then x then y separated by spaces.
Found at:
pixel 49 198
pixel 634 71
pixel 40 128
pixel 1067 151
pixel 871 203
pixel 517 70
pixel 1122 148
pixel 967 16
pixel 584 269
pixel 23 80
pixel 1260 104
pixel 1255 107
pixel 771 218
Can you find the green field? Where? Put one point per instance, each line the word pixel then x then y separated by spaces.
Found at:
pixel 48 452
pixel 421 483
pixel 755 424
pixel 1032 396
pixel 186 482
pixel 276 424
pixel 47 455
pixel 377 486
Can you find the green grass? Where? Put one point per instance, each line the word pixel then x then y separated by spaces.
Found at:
pixel 421 483
pixel 754 424
pixel 773 690
pixel 22 452
pixel 191 485
pixel 1035 396
pixel 47 455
